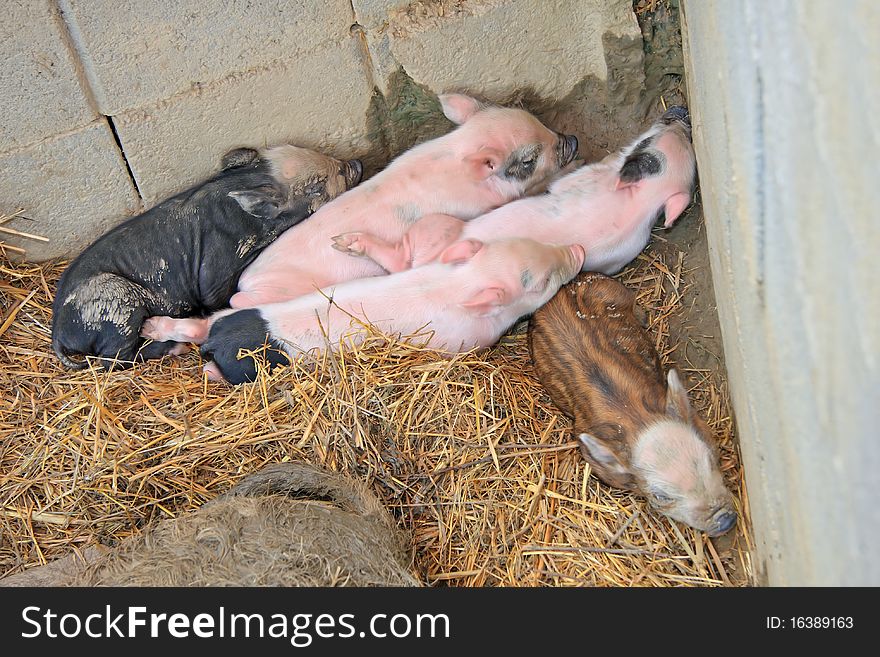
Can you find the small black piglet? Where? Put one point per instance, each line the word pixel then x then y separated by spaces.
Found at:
pixel 184 256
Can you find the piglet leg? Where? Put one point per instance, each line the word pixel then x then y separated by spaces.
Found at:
pixel 162 328
pixel 391 256
pixel 421 244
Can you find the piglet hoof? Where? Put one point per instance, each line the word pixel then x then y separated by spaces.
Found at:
pixel 162 328
pixel 212 372
pixel 153 329
pixel 349 243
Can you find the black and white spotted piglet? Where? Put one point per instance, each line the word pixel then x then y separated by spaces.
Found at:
pixel 184 256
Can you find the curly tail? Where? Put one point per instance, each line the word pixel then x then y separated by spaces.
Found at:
pixel 63 355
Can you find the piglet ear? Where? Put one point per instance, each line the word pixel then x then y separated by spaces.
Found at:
pixel 675 206
pixel 599 454
pixel 485 301
pixel 458 108
pixel 484 163
pixel 677 403
pixel 262 202
pixel 238 157
pixel 460 252
pixel 638 166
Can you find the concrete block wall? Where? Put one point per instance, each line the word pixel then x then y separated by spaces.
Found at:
pixel 58 158
pixel 112 107
pixel 785 104
pixel 545 46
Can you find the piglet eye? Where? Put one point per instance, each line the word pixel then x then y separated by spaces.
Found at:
pixel 661 498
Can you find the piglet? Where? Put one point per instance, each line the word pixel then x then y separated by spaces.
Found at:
pixel 495 155
pixel 637 430
pixel 608 207
pixel 183 257
pixel 466 300
pixel 492 157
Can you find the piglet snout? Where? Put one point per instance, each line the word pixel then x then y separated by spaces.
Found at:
pixel 353 172
pixel 723 521
pixel 677 113
pixel 566 149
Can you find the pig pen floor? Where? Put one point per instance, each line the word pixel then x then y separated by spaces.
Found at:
pixel 468 453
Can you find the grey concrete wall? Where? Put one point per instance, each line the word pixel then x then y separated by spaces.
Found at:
pixel 786 108
pixel 58 159
pixel 112 106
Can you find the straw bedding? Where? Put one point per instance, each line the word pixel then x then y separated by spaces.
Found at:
pixel 468 453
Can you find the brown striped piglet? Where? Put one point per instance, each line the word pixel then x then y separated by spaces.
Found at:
pixel 637 430
pixel 607 207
